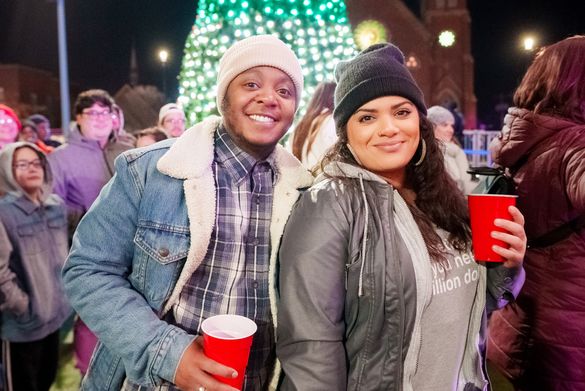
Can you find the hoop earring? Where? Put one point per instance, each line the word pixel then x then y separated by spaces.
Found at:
pixel 353 154
pixel 423 152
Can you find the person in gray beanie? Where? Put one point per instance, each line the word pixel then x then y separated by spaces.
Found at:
pixel 189 228
pixel 377 71
pixel 456 161
pixel 378 288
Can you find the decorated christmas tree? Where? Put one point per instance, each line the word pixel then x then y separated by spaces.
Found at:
pixel 317 31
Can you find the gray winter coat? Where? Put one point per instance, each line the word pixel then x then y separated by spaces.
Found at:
pixel 354 279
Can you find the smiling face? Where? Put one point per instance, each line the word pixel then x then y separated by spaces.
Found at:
pixel 96 123
pixel 259 108
pixel 384 135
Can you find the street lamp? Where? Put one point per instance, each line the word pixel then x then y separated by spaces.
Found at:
pixel 63 66
pixel 163 56
pixel 529 43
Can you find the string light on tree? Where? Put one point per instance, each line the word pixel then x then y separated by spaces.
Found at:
pixel 317 31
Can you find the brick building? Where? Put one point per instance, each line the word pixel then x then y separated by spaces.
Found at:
pixel 437 45
pixel 29 90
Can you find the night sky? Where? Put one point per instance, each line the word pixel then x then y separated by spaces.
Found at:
pixel 101 33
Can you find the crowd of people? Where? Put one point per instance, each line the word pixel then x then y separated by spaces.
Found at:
pixel 333 245
pixel 46 187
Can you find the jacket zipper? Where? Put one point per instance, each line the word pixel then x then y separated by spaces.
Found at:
pixel 398 271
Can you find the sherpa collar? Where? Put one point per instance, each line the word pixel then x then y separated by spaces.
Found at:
pixel 192 154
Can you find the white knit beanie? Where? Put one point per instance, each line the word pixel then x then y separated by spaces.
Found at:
pixel 255 51
pixel 167 109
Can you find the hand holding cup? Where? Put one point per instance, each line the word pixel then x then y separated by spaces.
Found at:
pixel 497 229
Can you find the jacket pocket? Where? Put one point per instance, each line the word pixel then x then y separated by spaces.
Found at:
pixel 353 270
pixel 163 243
pixel 160 256
pixel 28 234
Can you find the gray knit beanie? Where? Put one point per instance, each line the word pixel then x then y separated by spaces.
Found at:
pixel 439 115
pixel 375 72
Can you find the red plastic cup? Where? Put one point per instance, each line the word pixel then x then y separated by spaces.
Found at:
pixel 483 210
pixel 227 339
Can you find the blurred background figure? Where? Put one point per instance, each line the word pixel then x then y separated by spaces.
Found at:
pixel 33 249
pixel 81 167
pixel 458 125
pixel 538 341
pixel 118 127
pixel 455 159
pixel 315 133
pixel 9 125
pixel 29 133
pixel 44 129
pixel 150 136
pixel 171 118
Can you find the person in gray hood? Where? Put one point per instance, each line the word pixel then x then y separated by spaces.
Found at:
pixel 378 287
pixel 33 249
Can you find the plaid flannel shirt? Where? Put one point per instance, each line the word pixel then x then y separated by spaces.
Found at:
pixel 233 277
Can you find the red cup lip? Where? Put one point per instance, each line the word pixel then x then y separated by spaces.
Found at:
pixel 493 195
pixel 245 327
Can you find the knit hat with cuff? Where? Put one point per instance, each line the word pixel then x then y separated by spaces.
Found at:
pixel 257 51
pixel 166 110
pixel 375 72
pixel 439 115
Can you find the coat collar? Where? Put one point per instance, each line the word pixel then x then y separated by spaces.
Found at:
pixel 23 203
pixel 192 155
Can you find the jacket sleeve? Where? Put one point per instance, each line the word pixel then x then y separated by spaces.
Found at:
pixel 59 183
pixel 575 179
pixel 463 166
pixel 95 277
pixel 12 298
pixel 312 294
pixel 503 285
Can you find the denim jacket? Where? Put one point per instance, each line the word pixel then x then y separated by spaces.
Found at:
pixel 33 248
pixel 141 240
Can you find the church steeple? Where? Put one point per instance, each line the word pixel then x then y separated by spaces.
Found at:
pixel 133 77
pixel 449 24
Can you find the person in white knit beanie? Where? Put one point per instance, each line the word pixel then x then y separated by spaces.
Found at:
pixel 171 118
pixel 191 226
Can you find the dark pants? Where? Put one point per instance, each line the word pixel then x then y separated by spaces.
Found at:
pixel 34 364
